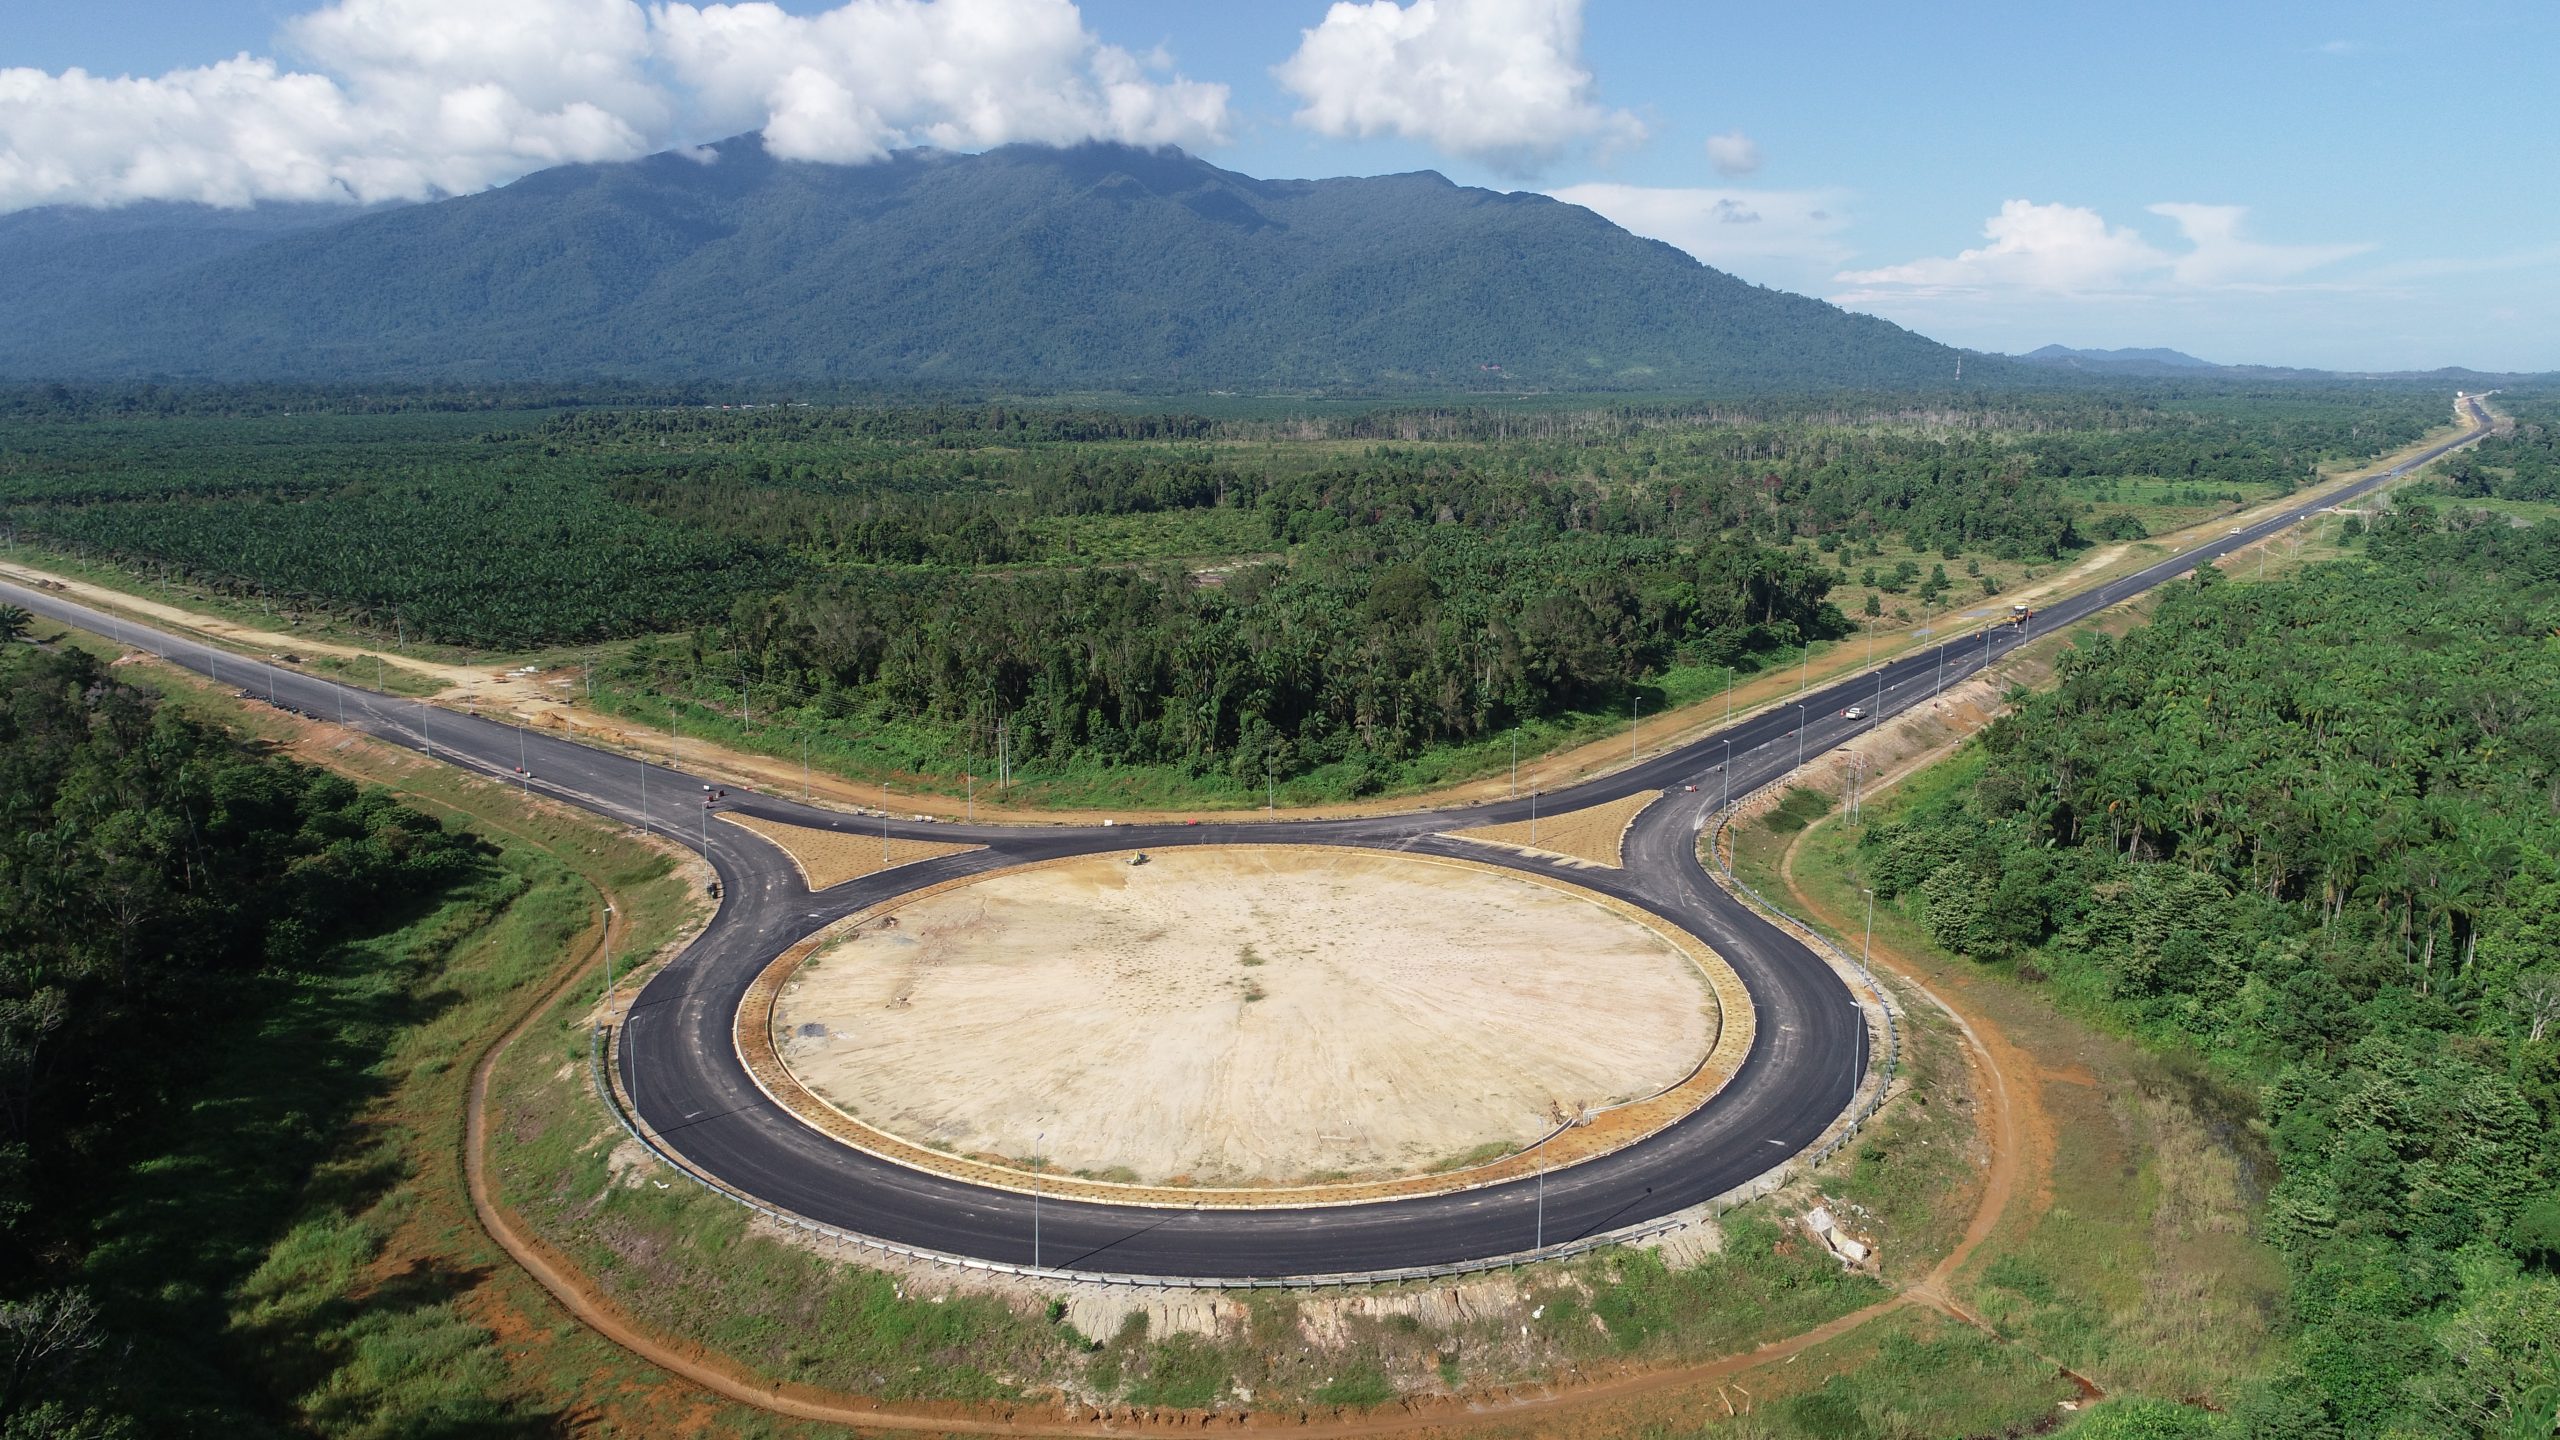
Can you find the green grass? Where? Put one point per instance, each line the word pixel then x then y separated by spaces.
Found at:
pixel 2143 1272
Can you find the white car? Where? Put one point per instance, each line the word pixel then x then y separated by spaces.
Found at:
pixel 1854 712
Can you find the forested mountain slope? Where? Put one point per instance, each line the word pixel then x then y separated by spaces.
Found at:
pixel 2312 830
pixel 1094 266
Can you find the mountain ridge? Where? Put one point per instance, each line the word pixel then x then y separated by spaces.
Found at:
pixel 1093 265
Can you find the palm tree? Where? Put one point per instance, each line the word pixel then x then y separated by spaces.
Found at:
pixel 14 623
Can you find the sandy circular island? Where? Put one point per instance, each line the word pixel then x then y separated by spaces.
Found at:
pixel 1239 1016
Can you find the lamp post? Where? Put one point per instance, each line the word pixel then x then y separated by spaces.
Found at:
pixel 1036 1142
pixel 1799 737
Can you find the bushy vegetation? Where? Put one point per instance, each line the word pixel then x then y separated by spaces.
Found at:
pixel 2312 830
pixel 2522 465
pixel 190 995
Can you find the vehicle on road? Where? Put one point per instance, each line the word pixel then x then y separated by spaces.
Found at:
pixel 1854 712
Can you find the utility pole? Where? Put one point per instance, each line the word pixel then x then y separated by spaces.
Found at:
pixel 804 767
pixel 1533 815
pixel 1036 1142
pixel 1866 957
pixel 887 790
pixel 1633 752
pixel 1728 774
pixel 1542 1206
pixel 644 797
pixel 1515 762
pixel 1799 738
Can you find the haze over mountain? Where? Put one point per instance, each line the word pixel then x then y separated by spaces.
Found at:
pixel 2146 360
pixel 1098 266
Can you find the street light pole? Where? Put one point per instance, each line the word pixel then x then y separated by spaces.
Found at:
pixel 1866 956
pixel 1799 738
pixel 1728 774
pixel 1036 1142
pixel 1542 1206
pixel 1635 710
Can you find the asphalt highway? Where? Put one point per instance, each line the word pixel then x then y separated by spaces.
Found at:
pixel 681 1069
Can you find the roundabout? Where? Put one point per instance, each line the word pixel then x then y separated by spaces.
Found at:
pixel 685 1086
pixel 1246 1025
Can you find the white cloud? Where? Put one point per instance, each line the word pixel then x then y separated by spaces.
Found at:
pixel 405 99
pixel 2047 248
pixel 1733 153
pixel 2070 251
pixel 1796 231
pixel 1500 81
pixel 2223 257
pixel 419 98
pixel 851 83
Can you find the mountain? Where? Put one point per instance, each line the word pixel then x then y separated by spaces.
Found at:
pixel 1096 266
pixel 2152 361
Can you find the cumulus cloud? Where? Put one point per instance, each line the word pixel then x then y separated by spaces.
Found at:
pixel 851 83
pixel 2071 251
pixel 2222 256
pixel 1789 235
pixel 412 98
pixel 1733 153
pixel 406 99
pixel 1500 81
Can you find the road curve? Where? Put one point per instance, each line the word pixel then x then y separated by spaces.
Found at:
pixel 686 1083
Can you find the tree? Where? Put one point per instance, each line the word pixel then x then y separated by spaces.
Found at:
pixel 2536 1002
pixel 14 623
pixel 41 1339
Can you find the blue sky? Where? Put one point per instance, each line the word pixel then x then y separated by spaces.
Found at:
pixel 2341 185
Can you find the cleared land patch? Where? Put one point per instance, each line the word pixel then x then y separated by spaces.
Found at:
pixel 1237 1016
pixel 828 858
pixel 1595 834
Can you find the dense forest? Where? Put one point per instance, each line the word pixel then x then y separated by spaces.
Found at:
pixel 2312 830
pixel 1049 268
pixel 160 890
pixel 2523 464
pixel 1255 593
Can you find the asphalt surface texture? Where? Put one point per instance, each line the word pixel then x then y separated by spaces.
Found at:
pixel 681 1069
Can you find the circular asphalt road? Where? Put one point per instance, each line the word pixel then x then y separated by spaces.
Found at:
pixel 681 1070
